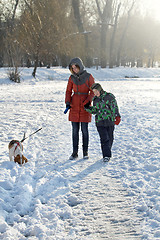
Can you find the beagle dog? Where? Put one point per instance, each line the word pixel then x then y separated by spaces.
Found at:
pixel 16 151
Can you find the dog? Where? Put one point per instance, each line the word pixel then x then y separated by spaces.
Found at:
pixel 16 151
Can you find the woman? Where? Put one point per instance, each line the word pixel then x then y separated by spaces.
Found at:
pixel 107 115
pixel 78 93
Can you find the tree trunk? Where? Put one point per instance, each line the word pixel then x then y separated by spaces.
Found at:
pixel 35 68
pixel 123 36
pixel 36 57
pixel 14 11
pixel 103 46
pixel 105 17
pixel 111 58
pixel 76 10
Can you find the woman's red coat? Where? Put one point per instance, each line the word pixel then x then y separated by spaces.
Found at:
pixel 77 112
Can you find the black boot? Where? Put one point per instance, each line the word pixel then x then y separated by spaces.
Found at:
pixel 73 156
pixel 85 155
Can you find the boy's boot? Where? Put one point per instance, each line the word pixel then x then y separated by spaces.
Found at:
pixel 85 155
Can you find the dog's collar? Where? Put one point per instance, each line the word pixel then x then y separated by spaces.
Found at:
pixel 18 144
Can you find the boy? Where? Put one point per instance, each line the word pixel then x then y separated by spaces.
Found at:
pixel 107 115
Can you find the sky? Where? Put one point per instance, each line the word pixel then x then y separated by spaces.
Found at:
pixel 153 7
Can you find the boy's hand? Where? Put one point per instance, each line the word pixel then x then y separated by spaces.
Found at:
pixel 117 120
pixel 87 105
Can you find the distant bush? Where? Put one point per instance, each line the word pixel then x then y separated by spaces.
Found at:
pixel 14 75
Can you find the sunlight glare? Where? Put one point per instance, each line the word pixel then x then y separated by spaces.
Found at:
pixel 152 7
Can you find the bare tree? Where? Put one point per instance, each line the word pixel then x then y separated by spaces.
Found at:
pixel 111 57
pixel 11 47
pixel 14 10
pixel 45 31
pixel 121 42
pixel 79 22
pixel 43 25
pixel 105 15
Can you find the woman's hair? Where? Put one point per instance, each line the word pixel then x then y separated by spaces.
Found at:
pixel 71 69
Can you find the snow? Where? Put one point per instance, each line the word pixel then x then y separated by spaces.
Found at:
pixel 51 197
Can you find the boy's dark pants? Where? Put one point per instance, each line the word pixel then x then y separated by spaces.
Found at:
pixel 106 138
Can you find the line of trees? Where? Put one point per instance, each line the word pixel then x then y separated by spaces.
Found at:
pixel 44 33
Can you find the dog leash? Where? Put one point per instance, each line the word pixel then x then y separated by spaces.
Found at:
pixel 24 138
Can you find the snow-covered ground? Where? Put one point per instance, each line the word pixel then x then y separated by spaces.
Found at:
pixel 52 197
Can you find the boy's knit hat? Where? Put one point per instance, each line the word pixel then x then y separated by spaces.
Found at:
pixel 97 86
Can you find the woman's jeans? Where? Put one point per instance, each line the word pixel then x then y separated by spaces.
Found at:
pixel 75 136
pixel 106 139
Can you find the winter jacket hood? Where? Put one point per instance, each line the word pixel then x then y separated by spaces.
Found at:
pixel 77 61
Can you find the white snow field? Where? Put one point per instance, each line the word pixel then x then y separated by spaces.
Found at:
pixel 53 198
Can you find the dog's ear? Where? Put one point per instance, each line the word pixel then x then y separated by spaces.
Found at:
pixel 24 159
pixel 11 144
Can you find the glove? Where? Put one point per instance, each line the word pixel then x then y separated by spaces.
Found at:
pixel 117 120
pixel 87 105
pixel 68 105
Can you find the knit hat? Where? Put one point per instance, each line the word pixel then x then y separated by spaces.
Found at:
pixel 97 86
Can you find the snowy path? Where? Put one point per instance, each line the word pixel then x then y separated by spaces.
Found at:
pixel 104 210
pixel 52 198
pixel 91 203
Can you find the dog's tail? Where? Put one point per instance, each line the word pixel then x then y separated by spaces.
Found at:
pixel 24 138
